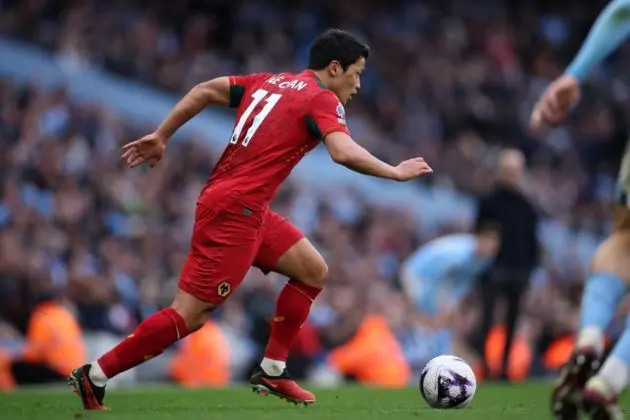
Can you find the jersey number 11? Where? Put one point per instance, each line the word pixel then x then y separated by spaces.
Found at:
pixel 259 95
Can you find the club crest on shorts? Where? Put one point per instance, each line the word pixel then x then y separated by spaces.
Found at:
pixel 224 289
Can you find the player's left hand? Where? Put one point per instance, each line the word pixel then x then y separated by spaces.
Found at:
pixel 149 148
pixel 556 103
pixel 411 169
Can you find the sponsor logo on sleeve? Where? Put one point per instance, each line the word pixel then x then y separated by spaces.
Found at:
pixel 341 114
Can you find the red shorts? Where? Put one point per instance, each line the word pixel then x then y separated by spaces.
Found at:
pixel 226 242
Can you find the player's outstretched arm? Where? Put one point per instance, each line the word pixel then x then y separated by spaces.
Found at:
pixel 211 92
pixel 150 148
pixel 348 153
pixel 611 28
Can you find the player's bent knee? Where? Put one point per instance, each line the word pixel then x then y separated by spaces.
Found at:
pixel 316 273
pixel 194 311
pixel 611 255
pixel 303 263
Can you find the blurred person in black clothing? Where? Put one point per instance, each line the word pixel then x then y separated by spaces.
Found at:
pixel 509 208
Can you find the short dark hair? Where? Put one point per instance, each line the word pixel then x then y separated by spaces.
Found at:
pixel 339 45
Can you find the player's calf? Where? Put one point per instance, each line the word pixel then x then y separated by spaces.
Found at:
pixel 292 309
pixel 606 286
pixel 271 377
pixel 154 335
pixel 602 294
pixel 308 272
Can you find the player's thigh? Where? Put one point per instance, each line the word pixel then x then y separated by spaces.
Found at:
pixel 621 218
pixel 285 250
pixel 223 247
pixel 612 254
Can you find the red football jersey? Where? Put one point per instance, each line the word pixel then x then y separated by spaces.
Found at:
pixel 280 118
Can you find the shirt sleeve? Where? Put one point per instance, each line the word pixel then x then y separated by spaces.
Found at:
pixel 326 115
pixel 240 83
pixel 611 28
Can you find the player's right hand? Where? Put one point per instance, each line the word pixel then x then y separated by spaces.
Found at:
pixel 556 103
pixel 149 148
pixel 411 169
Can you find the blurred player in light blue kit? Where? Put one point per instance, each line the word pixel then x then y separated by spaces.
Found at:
pixel 580 385
pixel 443 271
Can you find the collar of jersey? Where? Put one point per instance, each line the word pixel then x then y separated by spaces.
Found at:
pixel 319 82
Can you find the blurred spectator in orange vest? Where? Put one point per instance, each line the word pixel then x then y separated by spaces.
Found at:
pixel 202 359
pixel 519 360
pixel 53 343
pixel 373 355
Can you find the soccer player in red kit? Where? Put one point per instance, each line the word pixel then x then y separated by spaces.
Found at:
pixel 280 118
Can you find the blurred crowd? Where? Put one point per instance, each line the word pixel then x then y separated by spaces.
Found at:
pixel 452 81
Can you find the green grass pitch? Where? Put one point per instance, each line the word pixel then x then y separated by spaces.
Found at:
pixel 492 402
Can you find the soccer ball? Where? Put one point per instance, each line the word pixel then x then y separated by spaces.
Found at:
pixel 448 382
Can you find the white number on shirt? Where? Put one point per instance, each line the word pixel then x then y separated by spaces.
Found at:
pixel 259 95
